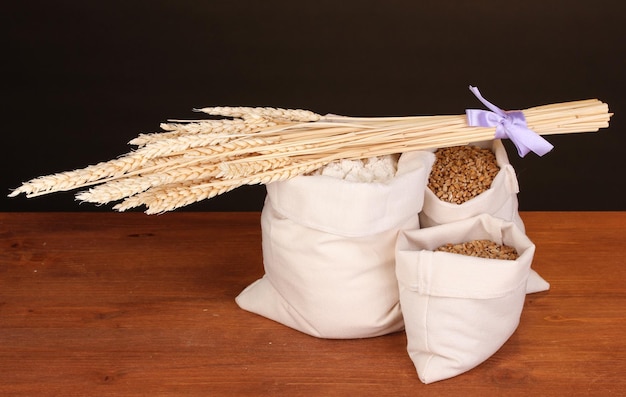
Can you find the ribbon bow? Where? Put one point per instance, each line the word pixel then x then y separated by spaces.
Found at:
pixel 509 124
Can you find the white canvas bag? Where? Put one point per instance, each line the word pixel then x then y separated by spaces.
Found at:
pixel 459 310
pixel 329 251
pixel 500 201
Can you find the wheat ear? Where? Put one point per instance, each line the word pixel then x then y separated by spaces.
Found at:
pixel 276 114
pixel 218 127
pixel 69 180
pixel 169 197
pixel 126 187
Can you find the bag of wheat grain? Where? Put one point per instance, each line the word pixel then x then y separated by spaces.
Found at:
pixel 462 289
pixel 471 180
pixel 329 248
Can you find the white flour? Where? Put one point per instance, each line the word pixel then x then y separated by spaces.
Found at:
pixel 374 169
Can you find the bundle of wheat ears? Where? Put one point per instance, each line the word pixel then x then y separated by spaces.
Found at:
pixel 195 160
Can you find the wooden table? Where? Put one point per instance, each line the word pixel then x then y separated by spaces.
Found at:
pixel 98 304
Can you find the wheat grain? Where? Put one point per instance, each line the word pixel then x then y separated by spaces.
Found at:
pixel 482 249
pixel 461 173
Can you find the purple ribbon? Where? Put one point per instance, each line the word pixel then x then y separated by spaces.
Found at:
pixel 509 124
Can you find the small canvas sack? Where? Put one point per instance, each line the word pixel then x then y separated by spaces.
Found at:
pixel 499 201
pixel 329 251
pixel 459 310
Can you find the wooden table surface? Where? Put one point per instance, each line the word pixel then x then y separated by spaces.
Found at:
pixel 98 304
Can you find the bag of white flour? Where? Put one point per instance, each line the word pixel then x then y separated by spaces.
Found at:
pixel 329 250
pixel 460 309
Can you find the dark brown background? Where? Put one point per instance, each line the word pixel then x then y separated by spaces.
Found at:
pixel 81 78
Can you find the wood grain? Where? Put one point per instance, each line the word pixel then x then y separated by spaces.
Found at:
pixel 130 305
